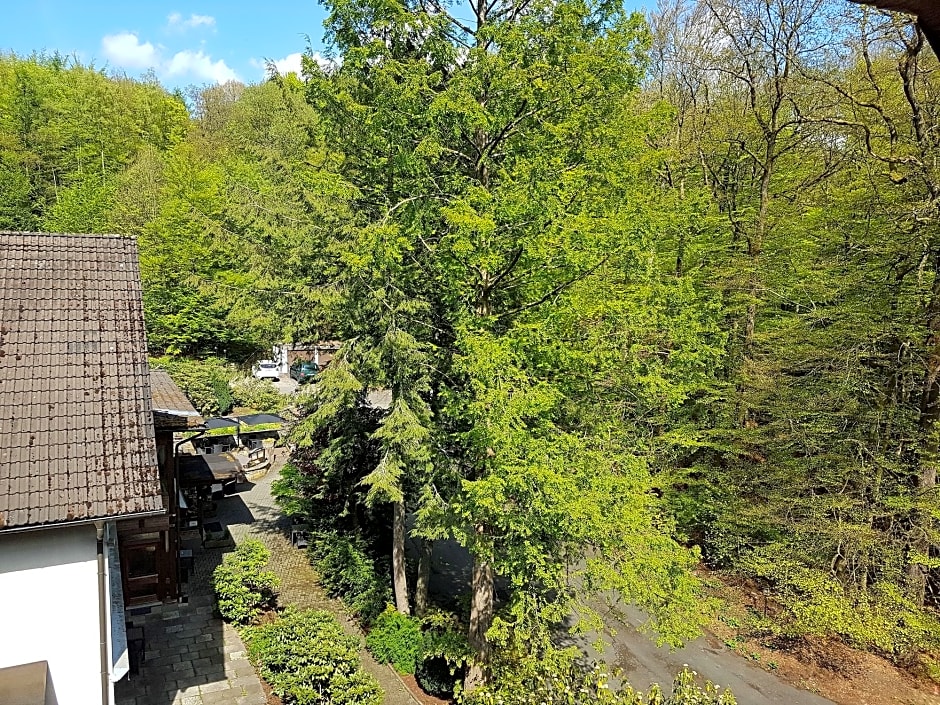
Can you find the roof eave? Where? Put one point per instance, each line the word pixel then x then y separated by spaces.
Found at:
pixel 80 522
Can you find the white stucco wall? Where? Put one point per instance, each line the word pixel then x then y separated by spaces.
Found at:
pixel 49 608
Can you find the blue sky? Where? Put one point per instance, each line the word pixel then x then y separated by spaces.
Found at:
pixel 183 43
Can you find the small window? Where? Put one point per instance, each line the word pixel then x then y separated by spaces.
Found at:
pixel 141 561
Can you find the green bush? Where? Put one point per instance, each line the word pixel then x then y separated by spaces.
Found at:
pixel 243 588
pixel 812 602
pixel 437 677
pixel 555 675
pixel 307 659
pixel 258 394
pixel 593 688
pixel 685 690
pixel 349 573
pixel 204 382
pixel 445 637
pixel 396 639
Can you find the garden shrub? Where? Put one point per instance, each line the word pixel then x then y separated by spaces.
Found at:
pixel 349 573
pixel 446 653
pixel 446 637
pixel 204 382
pixel 258 394
pixel 243 588
pixel 556 675
pixel 396 638
pixel 437 677
pixel 307 659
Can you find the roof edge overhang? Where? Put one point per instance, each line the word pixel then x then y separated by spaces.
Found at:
pixel 80 522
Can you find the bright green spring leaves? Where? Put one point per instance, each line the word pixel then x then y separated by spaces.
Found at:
pixel 504 283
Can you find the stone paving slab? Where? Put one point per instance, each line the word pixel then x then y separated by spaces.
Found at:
pixel 204 664
pixel 191 656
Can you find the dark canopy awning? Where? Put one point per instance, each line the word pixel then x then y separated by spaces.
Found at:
pixel 221 422
pixel 247 420
pixel 255 419
pixel 196 470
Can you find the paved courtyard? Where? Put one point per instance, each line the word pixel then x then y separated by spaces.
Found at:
pixel 192 657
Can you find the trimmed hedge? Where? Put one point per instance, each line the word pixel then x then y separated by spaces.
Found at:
pixel 243 589
pixel 307 659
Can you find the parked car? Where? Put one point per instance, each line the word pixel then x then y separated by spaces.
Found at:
pixel 266 369
pixel 303 371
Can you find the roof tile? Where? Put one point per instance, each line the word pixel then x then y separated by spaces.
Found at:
pixel 76 433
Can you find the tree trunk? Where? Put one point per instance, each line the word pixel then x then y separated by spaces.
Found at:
pixel 929 442
pixel 424 576
pixel 398 559
pixel 755 242
pixel 481 617
pixel 926 480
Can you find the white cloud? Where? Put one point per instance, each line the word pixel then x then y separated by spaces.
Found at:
pixel 196 20
pixel 125 50
pixel 199 65
pixel 176 20
pixel 290 63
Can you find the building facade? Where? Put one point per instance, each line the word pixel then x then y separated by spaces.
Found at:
pixel 79 468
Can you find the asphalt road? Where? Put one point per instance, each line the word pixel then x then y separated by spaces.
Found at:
pixel 636 654
pixel 643 663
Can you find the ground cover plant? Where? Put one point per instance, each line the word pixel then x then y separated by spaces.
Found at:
pixel 244 589
pixel 307 659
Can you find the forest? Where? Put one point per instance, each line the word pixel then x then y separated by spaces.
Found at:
pixel 657 297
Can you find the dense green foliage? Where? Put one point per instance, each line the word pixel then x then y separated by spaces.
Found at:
pixel 396 638
pixel 204 382
pixel 498 191
pixel 350 573
pixel 257 394
pixel 69 134
pixel 307 659
pixel 410 642
pixel 559 680
pixel 643 293
pixel 231 209
pixel 243 588
pixel 813 467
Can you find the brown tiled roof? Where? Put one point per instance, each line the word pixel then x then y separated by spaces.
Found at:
pixel 171 408
pixel 76 431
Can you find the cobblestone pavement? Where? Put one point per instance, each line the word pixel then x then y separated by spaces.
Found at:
pixel 191 657
pixel 253 513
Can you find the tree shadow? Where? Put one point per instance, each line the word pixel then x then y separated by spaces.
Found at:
pixel 184 646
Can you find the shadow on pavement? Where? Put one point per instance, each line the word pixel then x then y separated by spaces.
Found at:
pixel 190 655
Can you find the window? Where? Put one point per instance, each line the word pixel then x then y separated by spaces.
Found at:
pixel 141 561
